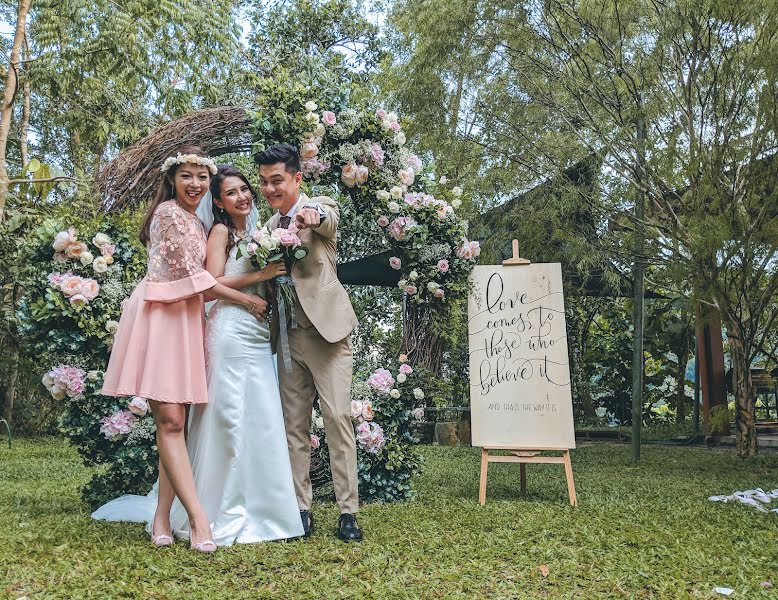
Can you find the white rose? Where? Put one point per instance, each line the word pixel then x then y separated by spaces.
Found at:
pixel 401 377
pixel 112 327
pixel 418 394
pixel 443 180
pixel 382 195
pixel 312 118
pixel 413 275
pixel 87 258
pixel 267 243
pixel 311 106
pixel 101 240
pixel 58 393
pixel 402 283
pixel 396 192
pixel 318 422
pixel 100 265
pixel 456 203
pixel 391 117
pixel 457 191
pixel 432 286
pixel 319 129
pixel 399 139
pixel 93 375
pixel 393 207
pixel 395 393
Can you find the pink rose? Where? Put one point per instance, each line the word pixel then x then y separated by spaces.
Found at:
pixel 418 413
pixel 406 369
pixel 443 265
pixel 78 300
pixel 328 117
pixel 383 221
pixel 64 239
pixel 60 257
pixel 309 150
pixel 90 288
pixel 361 174
pixel 251 247
pixel 138 406
pixel 469 250
pixel 349 175
pixel 439 293
pixel 380 114
pixel 394 126
pixel 107 249
pixel 406 176
pixel 76 249
pixel 381 381
pixel 56 279
pixel 395 263
pixel 410 290
pixel 289 239
pixel 414 162
pixel 315 441
pixel 71 285
pixel 400 227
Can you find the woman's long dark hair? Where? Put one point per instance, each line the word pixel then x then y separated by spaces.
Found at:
pixel 165 191
pixel 219 214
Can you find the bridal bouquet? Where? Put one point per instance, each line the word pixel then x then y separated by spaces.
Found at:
pixel 264 247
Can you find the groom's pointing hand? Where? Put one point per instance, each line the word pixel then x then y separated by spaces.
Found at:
pixel 308 218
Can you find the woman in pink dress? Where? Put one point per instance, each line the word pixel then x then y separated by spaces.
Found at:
pixel 158 351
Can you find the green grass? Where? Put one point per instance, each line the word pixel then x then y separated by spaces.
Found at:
pixel 645 531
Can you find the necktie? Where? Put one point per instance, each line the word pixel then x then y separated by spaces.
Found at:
pixel 285 220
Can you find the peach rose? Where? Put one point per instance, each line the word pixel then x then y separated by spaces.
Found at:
pixel 349 174
pixel 76 249
pixel 72 286
pixel 90 288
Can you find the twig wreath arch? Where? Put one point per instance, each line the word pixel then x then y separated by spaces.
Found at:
pixel 357 155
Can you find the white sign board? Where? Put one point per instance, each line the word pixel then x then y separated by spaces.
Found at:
pixel 519 367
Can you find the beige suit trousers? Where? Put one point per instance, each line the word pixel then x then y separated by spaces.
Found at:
pixel 326 368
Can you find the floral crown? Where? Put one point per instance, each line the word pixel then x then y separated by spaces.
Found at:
pixel 180 159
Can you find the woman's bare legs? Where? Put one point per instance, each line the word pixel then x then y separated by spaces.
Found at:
pixel 176 472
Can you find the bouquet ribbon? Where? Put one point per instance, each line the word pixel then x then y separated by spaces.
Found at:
pixel 283 333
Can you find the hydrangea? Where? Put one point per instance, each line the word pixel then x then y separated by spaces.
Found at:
pixel 381 381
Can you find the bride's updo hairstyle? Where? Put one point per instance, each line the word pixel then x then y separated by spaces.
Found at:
pixel 166 190
pixel 219 214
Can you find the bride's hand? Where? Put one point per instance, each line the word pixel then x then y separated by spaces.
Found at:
pixel 256 305
pixel 274 269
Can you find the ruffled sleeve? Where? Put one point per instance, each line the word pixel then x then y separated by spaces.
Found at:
pixel 177 244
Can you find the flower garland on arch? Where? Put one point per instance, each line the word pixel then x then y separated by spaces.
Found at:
pixel 363 153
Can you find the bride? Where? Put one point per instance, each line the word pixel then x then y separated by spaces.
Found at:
pixel 237 441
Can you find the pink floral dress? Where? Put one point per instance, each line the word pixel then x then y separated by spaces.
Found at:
pixel 158 351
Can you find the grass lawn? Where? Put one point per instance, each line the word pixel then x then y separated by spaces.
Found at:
pixel 645 531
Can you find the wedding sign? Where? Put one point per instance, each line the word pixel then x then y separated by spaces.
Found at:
pixel 519 367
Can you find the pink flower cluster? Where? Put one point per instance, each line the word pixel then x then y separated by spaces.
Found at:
pixel 354 174
pixel 66 245
pixel 362 410
pixel 119 423
pixel 315 167
pixel 80 290
pixel 406 369
pixel 64 381
pixel 381 381
pixel 370 437
pixel 138 406
pixel 377 155
pixel 388 120
pixel 469 250
pixel 420 200
pixel 315 441
pixel 400 227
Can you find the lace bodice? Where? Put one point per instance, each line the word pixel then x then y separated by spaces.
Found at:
pixel 177 244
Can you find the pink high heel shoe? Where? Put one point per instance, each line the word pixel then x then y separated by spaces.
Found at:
pixel 206 546
pixel 161 540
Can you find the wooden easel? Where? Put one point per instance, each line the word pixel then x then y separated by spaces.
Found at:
pixel 523 456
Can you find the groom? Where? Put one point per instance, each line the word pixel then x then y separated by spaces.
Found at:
pixel 319 346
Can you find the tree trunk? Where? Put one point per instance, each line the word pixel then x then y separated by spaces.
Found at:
pixel 25 125
pixel 420 342
pixel 12 355
pixel 745 394
pixel 680 377
pixel 8 98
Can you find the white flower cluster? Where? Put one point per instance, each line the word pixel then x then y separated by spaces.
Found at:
pixel 180 159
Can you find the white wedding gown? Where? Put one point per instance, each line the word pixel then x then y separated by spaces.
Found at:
pixel 237 441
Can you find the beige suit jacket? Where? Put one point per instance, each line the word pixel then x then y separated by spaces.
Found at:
pixel 322 297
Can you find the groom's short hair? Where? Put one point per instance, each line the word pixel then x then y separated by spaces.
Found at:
pixel 285 153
